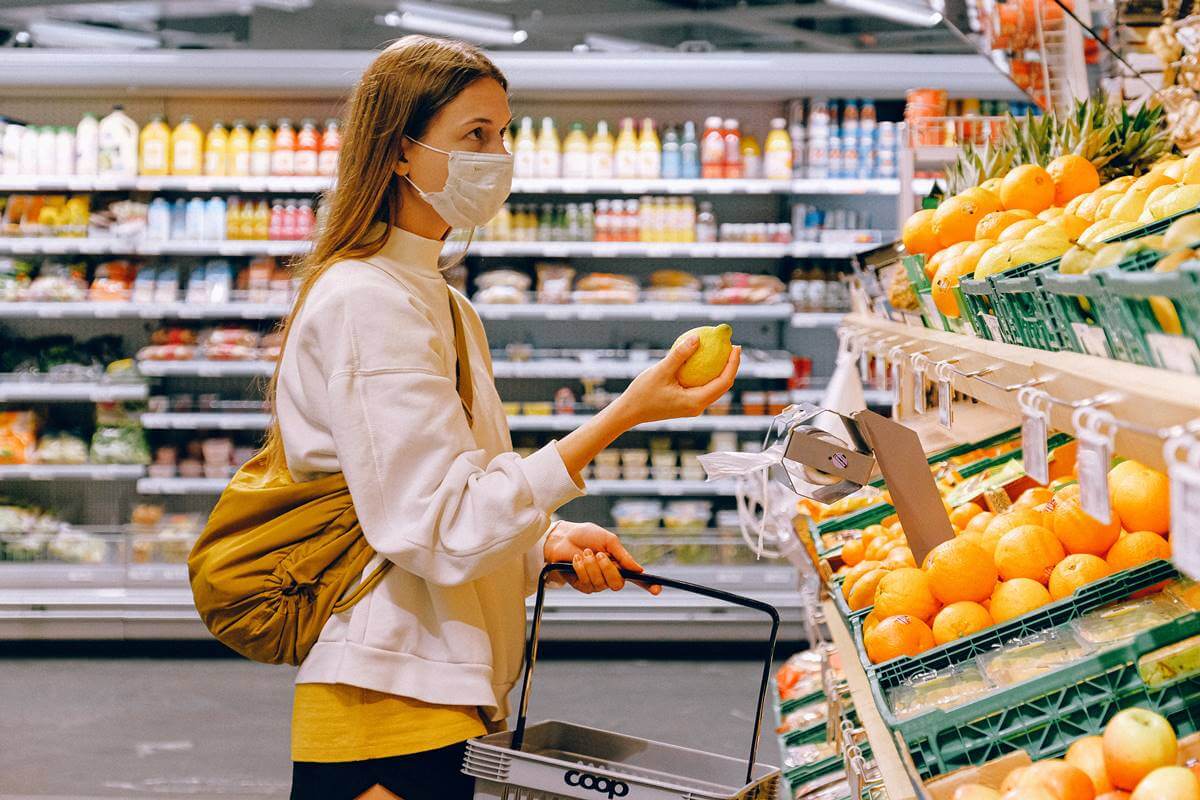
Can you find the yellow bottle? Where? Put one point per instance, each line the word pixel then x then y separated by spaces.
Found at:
pixel 187 148
pixel 216 145
pixel 262 220
pixel 548 151
pixel 154 148
pixel 576 153
pixel 237 150
pixel 246 220
pixel 649 151
pixel 626 155
pixel 233 218
pixel 777 154
pixel 261 145
pixel 751 157
pixel 602 152
pixel 525 151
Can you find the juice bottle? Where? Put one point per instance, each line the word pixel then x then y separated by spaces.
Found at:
pixel 117 136
pixel 261 220
pixel 246 220
pixel 601 161
pixel 625 161
pixel 275 224
pixel 777 158
pixel 237 150
pixel 305 220
pixel 331 144
pixel 64 151
pixel 751 158
pixel 155 147
pixel 288 225
pixel 672 161
pixel 87 145
pixel 216 146
pixel 525 152
pixel 576 155
pixel 308 145
pixel 261 144
pixel 233 218
pixel 283 149
pixel 548 151
pixel 733 149
pixel 689 152
pixel 712 149
pixel 46 150
pixel 649 151
pixel 187 147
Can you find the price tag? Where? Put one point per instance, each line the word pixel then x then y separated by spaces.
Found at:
pixel 993 326
pixel 1034 434
pixel 881 373
pixel 1091 339
pixel 932 316
pixel 918 388
pixel 945 404
pixel 897 374
pixel 1183 459
pixel 1092 460
pixel 1175 353
pixel 864 365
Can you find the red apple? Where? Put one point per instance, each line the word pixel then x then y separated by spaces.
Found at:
pixel 1137 742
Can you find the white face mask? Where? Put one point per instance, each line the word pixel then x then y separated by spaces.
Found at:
pixel 477 184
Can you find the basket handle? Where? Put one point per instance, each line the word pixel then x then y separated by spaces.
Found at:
pixel 531 645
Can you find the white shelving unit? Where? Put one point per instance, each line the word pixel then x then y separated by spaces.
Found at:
pixel 17 391
pixel 71 472
pixel 679 488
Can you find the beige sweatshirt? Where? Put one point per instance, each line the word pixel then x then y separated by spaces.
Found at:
pixel 367 387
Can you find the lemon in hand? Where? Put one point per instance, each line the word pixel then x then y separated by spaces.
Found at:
pixel 709 359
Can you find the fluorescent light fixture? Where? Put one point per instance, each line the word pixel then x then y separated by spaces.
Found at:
pixel 921 16
pixel 601 43
pixel 476 26
pixel 51 33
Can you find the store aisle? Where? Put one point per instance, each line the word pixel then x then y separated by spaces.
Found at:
pixel 217 728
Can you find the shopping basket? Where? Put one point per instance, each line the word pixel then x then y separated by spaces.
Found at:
pixel 560 760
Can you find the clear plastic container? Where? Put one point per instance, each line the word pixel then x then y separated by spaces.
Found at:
pixel 635 457
pixel 690 515
pixel 637 514
pixel 631 472
pixel 1033 656
pixel 1122 621
pixel 1185 591
pixel 945 689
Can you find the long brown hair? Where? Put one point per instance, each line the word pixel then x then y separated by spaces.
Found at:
pixel 398 96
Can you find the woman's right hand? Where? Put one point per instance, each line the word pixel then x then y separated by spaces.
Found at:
pixel 656 394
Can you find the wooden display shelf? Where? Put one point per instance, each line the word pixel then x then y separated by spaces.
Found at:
pixel 1144 400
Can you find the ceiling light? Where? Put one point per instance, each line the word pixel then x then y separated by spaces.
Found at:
pixel 476 26
pixel 52 33
pixel 617 44
pixel 921 16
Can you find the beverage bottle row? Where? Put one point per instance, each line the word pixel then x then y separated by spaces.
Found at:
pixel 236 151
pixel 719 151
pixel 235 218
pixel 808 221
pixel 648 219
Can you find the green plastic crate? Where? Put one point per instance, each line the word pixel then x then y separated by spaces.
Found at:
pixel 1072 299
pixel 1182 290
pixel 1023 310
pixel 1045 715
pixel 1117 586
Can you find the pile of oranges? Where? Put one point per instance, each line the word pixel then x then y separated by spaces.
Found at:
pixel 1001 566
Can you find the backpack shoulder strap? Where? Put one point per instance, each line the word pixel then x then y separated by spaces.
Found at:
pixel 462 363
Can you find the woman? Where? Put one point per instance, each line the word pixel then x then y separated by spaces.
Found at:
pixel 386 377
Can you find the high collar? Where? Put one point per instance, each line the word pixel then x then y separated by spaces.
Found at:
pixel 412 253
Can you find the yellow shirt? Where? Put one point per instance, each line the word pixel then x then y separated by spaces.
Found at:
pixel 333 722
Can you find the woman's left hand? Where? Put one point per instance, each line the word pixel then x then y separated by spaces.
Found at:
pixel 595 553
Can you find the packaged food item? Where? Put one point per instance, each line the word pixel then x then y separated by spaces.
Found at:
pixel 1122 621
pixel 1185 591
pixel 947 688
pixel 1170 664
pixel 57 282
pixel 537 409
pixel 117 137
pixel 754 404
pixel 806 716
pixel 635 457
pixel 721 406
pixel 603 287
pixel 119 445
pixel 61 448
pixel 739 288
pixel 1027 658
pixel 155 148
pixel 795 678
pixel 554 283
pixel 502 286
pixel 187 148
pixel 687 515
pixel 18 437
pixel 564 401
pixel 113 282
pixel 637 514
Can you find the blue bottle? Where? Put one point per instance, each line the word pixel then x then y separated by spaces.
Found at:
pixel 672 156
pixel 179 219
pixel 689 152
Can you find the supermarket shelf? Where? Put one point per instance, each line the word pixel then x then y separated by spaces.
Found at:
pixel 817 319
pixel 923 186
pixel 128 310
pixel 76 472
pixel 51 391
pixel 33 245
pixel 206 369
pixel 210 486
pixel 634 311
pixel 1156 399
pixel 181 486
pixel 206 421
pixel 573 368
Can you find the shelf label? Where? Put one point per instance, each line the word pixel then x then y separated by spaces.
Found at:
pixel 1175 353
pixel 933 317
pixel 945 404
pixel 1091 339
pixel 918 388
pixel 1093 459
pixel 993 326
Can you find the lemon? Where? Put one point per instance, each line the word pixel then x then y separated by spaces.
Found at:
pixel 709 359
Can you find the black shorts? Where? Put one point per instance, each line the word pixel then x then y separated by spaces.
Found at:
pixel 432 775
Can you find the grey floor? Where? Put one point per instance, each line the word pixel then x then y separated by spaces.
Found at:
pixel 218 728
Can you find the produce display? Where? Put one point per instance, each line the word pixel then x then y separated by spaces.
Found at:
pixel 116 439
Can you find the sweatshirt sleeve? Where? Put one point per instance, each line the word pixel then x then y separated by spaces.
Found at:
pixel 427 496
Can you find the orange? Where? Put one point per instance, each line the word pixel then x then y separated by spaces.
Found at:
pixel 1079 532
pixel 988 200
pixel 899 556
pixel 956 218
pixel 975 537
pixel 993 224
pixel 1012 779
pixel 1065 782
pixel 965 513
pixel 918 236
pixel 1029 187
pixel 958 620
pixel 980 521
pixel 906 591
pixel 879 548
pixel 1034 498
pixel 960 570
pixel 868 624
pixel 853 552
pixel 1137 548
pixel 1009 520
pixel 1072 175
pixel 856 572
pixel 898 636
pixel 1140 496
pixel 945 281
pixel 1017 597
pixel 863 593
pixel 1062 460
pixel 1074 571
pixel 1088 755
pixel 1029 551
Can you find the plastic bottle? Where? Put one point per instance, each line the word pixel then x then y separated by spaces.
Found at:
pixel 576 153
pixel 777 155
pixel 179 219
pixel 29 151
pixel 866 115
pixel 117 135
pixel 216 149
pixel 47 150
pixel 689 152
pixel 287 228
pixel 733 150
pixel 626 154
pixel 649 151
pixel 233 218
pixel 305 220
pixel 712 149
pixel 308 147
pixel 87 145
pixel 672 161
pixel 850 120
pixel 11 148
pixel 525 154
pixel 158 220
pixel 64 151
pixel 331 144
pixel 275 224
pixel 237 150
pixel 549 152
pixel 799 147
pixel 246 220
pixel 751 158
pixel 214 219
pixel 194 219
pixel 706 223
pixel 601 159
pixel 154 156
pixel 187 148
pixel 261 220
pixel 261 144
pixel 645 223
pixel 283 149
pixel 834 156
